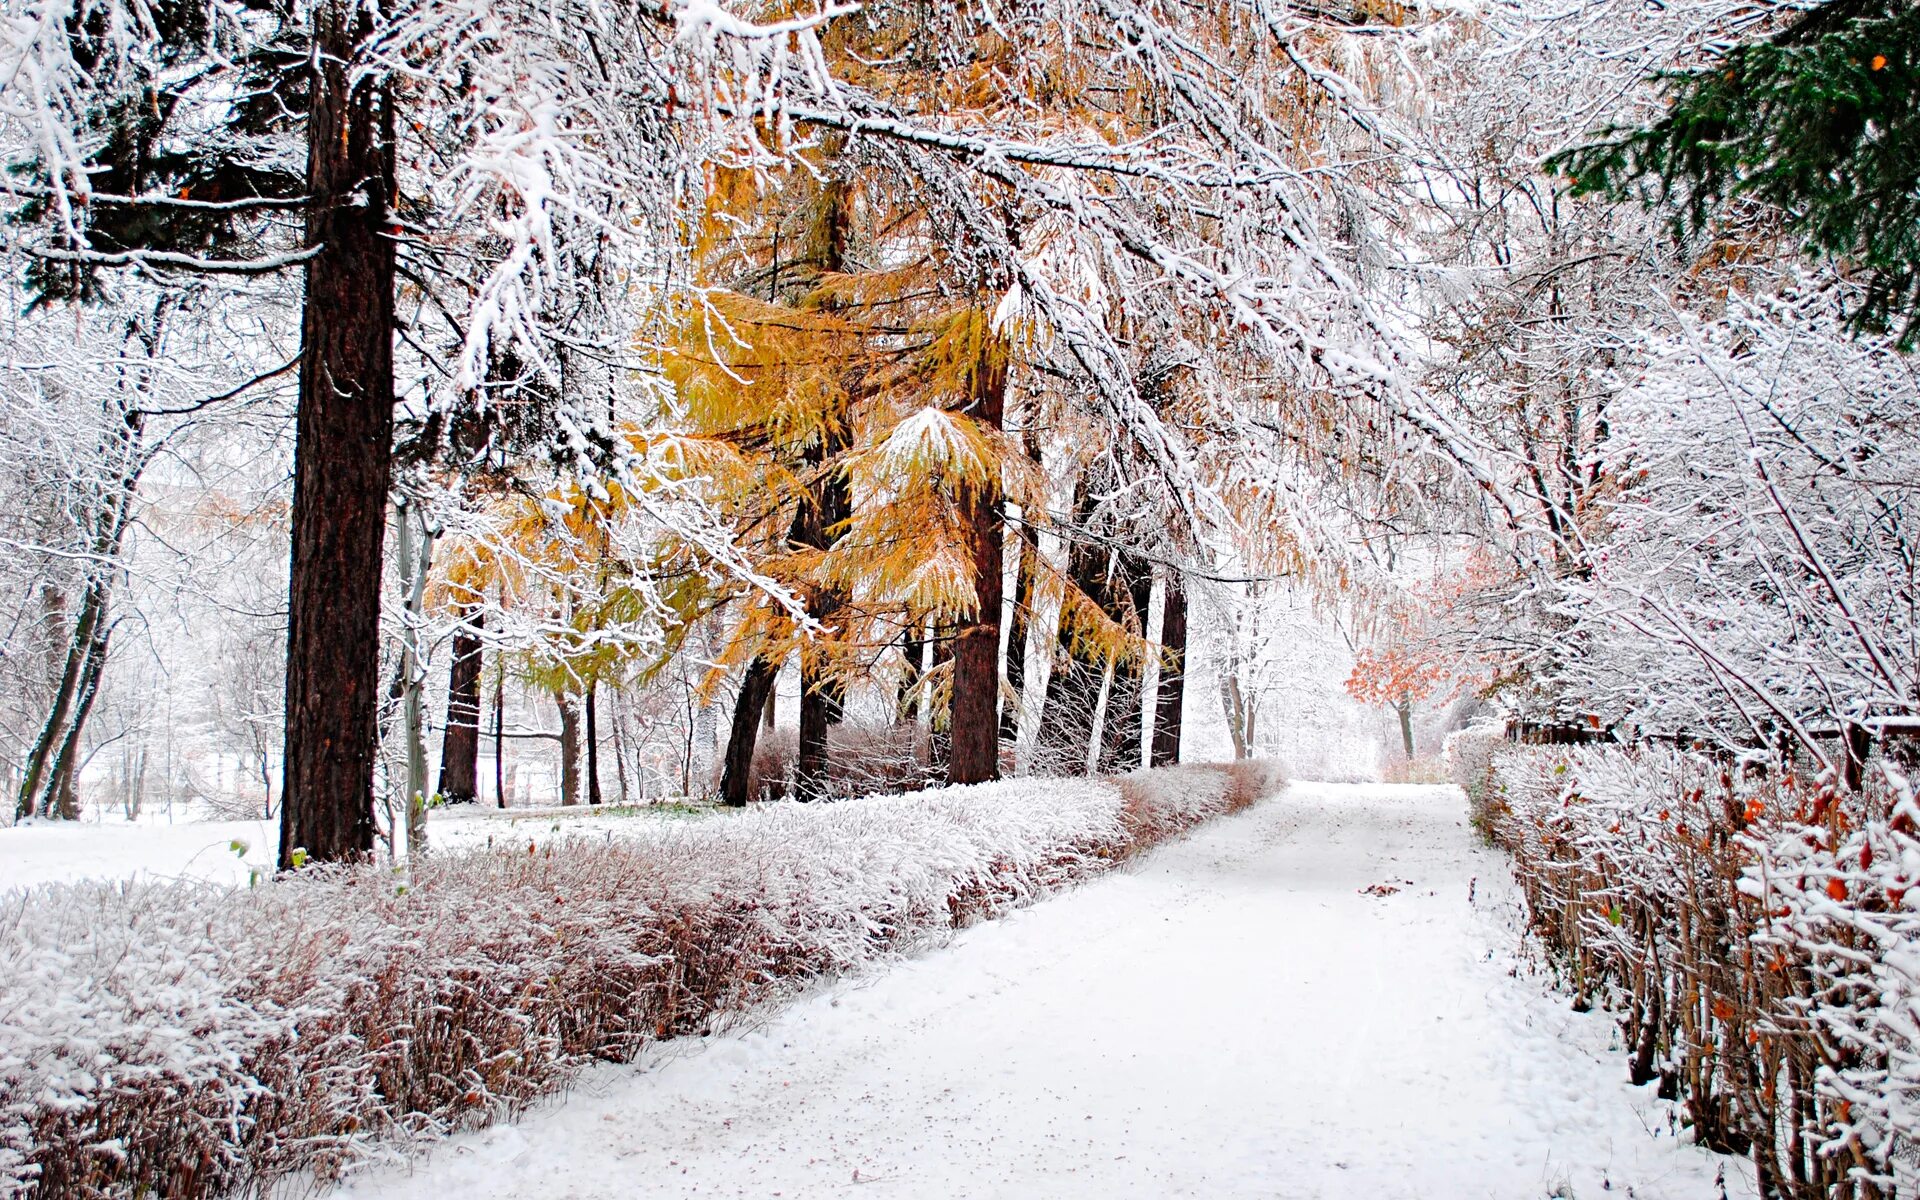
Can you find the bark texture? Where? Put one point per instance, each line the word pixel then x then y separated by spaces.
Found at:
pixel 974 753
pixel 1170 703
pixel 342 456
pixel 460 746
pixel 736 773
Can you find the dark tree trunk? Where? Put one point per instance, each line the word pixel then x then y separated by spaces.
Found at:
pixel 810 761
pixel 974 753
pixel 1129 592
pixel 86 655
pixel 756 689
pixel 460 748
pixel 819 524
pixel 906 701
pixel 342 455
pixel 821 521
pixel 1856 745
pixel 1078 677
pixel 593 743
pixel 1169 704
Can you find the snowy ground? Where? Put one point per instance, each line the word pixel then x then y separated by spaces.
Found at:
pixel 230 851
pixel 1237 1016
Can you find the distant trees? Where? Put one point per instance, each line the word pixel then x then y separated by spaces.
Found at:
pixel 502 238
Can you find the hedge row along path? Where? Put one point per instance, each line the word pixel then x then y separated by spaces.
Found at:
pixel 1321 997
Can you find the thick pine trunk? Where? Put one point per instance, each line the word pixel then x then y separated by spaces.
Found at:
pixel 460 747
pixel 342 449
pixel 756 689
pixel 974 752
pixel 810 761
pixel 1173 674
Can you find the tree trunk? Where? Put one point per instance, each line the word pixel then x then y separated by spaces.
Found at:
pixel 593 743
pixel 810 762
pixel 342 455
pixel 569 748
pixel 1013 654
pixel 974 753
pixel 819 525
pixel 1403 707
pixel 416 558
pixel 619 750
pixel 499 737
pixel 61 801
pixel 823 516
pixel 86 654
pixel 756 690
pixel 460 747
pixel 1128 600
pixel 1173 676
pixel 1096 735
pixel 1235 707
pixel 79 649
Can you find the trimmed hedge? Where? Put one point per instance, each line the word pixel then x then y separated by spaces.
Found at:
pixel 184 1040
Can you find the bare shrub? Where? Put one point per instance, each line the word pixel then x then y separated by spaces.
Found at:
pixel 183 1040
pixel 1752 930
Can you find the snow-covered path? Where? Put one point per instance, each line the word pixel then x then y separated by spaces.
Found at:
pixel 1234 1017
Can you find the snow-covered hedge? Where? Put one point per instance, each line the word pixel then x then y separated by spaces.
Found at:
pixel 179 1039
pixel 1758 935
pixel 1469 755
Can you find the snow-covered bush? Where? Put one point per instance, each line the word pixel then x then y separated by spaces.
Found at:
pixel 1754 932
pixel 1469 757
pixel 185 1040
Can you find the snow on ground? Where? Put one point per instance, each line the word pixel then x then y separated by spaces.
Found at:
pixel 1237 1016
pixel 155 846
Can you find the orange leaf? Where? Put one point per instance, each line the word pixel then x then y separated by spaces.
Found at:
pixel 1837 888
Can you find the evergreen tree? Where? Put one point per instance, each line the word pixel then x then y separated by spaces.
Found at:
pixel 1819 121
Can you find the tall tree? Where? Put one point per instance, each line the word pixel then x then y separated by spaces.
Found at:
pixel 343 455
pixel 1816 120
pixel 974 753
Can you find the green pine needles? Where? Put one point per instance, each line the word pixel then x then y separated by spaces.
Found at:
pixel 1820 121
